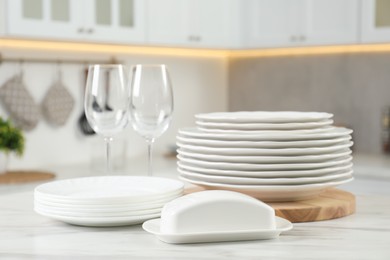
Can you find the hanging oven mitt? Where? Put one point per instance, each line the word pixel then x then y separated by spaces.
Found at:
pixel 57 104
pixel 19 103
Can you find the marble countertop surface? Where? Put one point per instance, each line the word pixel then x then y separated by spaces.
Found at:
pixel 363 235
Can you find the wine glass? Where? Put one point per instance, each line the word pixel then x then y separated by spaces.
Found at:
pixel 106 102
pixel 151 103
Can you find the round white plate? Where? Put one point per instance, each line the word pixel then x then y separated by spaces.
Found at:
pixel 258 167
pixel 261 132
pixel 100 222
pixel 263 117
pixel 293 135
pixel 263 181
pixel 263 151
pixel 109 189
pixel 262 144
pixel 104 207
pixel 153 227
pixel 273 192
pixel 263 126
pixel 265 159
pixel 267 174
pixel 76 213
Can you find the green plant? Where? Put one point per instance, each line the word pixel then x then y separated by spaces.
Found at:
pixel 11 138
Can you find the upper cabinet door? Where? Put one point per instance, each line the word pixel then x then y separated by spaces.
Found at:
pixel 271 23
pixel 330 22
pixel 192 23
pixel 121 21
pixel 43 18
pixel 375 21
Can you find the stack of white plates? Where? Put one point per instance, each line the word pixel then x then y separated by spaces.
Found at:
pixel 274 156
pixel 105 200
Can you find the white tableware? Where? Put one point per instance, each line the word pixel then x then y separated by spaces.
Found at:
pixel 153 227
pixel 263 151
pixel 100 221
pixel 265 159
pixel 264 117
pixel 95 214
pixel 263 126
pixel 293 135
pixel 109 189
pixel 257 167
pixel 263 181
pixel 287 173
pixel 263 144
pixel 273 192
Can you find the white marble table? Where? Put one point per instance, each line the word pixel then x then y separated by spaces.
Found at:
pixel 25 234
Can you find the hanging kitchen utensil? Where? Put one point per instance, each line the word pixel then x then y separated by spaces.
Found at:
pixel 58 102
pixel 83 121
pixel 19 103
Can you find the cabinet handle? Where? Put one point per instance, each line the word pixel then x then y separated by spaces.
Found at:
pixel 90 31
pixel 293 38
pixel 80 30
pixel 302 38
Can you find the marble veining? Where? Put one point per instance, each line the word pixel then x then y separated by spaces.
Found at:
pixel 364 235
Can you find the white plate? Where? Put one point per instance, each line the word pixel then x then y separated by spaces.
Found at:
pixel 263 181
pixel 268 174
pixel 263 126
pixel 264 117
pixel 153 227
pixel 105 207
pixel 261 132
pixel 273 192
pixel 293 135
pixel 258 167
pixel 262 144
pixel 109 189
pixel 263 151
pixel 100 222
pixel 104 204
pixel 265 159
pixel 76 213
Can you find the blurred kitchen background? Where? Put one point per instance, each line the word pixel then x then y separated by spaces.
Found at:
pixel 223 55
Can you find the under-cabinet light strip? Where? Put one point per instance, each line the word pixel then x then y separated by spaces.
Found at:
pixel 111 49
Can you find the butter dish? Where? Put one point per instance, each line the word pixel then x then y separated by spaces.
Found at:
pixel 216 216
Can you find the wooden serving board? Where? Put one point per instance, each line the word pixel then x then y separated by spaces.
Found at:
pixel 12 177
pixel 331 204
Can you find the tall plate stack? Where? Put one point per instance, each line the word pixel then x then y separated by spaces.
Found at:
pixel 274 156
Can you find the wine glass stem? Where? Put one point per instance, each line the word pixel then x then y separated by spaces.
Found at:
pixel 150 157
pixel 108 141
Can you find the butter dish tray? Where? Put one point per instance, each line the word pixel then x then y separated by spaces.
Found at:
pixel 153 227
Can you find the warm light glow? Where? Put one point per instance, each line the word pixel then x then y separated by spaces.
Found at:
pixel 112 49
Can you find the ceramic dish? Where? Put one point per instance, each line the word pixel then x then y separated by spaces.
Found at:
pixel 268 173
pixel 263 117
pixel 263 151
pixel 109 189
pixel 293 135
pixel 262 144
pixel 101 221
pixel 257 167
pixel 265 159
pixel 273 192
pixel 263 181
pixel 153 227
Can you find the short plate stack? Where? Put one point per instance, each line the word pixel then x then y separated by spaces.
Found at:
pixel 274 156
pixel 105 200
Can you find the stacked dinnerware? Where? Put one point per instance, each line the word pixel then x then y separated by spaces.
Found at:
pixel 274 156
pixel 105 200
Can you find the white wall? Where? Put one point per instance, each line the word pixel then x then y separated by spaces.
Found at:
pixel 200 85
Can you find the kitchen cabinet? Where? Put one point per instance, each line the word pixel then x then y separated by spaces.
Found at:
pixel 375 21
pixel 120 21
pixel 190 23
pixel 277 23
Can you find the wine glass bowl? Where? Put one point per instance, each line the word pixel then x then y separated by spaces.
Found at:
pixel 106 101
pixel 151 103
